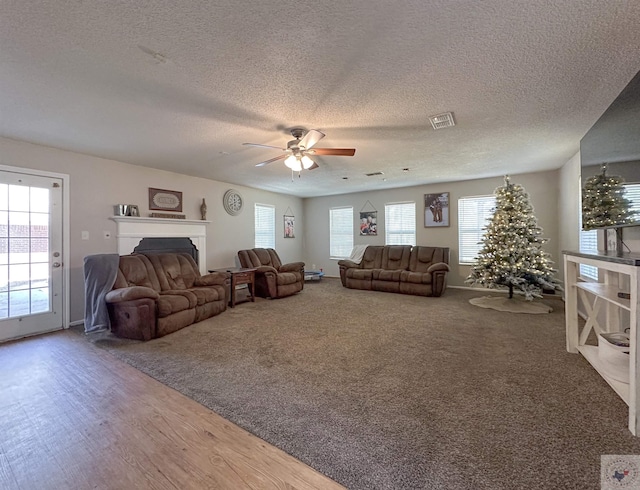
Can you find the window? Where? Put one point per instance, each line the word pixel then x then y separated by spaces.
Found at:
pixel 473 213
pixel 265 217
pixel 589 243
pixel 400 223
pixel 340 232
pixel 632 192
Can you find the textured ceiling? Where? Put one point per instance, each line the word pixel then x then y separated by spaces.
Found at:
pixel 180 86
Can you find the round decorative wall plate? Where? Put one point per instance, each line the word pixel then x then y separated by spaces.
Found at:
pixel 232 202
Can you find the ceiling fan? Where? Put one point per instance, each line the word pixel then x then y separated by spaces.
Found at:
pixel 298 152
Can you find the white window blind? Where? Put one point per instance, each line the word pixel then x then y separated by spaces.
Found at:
pixel 589 243
pixel 400 223
pixel 265 223
pixel 632 192
pixel 340 232
pixel 473 213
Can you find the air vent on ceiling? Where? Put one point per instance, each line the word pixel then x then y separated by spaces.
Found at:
pixel 442 121
pixel 374 173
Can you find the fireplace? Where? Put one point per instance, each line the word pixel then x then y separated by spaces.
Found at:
pixel 132 230
pixel 154 245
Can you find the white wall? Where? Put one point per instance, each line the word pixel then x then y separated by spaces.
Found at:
pixel 543 189
pixel 97 184
pixel 569 205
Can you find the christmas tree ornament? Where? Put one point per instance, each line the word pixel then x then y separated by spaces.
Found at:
pixel 511 255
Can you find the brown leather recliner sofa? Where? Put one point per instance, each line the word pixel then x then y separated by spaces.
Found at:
pixel 273 278
pixel 398 269
pixel 157 294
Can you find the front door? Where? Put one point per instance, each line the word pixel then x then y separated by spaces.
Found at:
pixel 31 279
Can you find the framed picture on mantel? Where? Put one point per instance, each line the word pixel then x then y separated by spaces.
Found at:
pixel 164 200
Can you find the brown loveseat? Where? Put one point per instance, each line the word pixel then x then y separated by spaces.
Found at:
pixel 273 279
pixel 398 269
pixel 157 294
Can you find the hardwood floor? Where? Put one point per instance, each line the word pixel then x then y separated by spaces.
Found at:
pixel 74 417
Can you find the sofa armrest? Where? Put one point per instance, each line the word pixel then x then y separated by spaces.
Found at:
pixel 291 267
pixel 348 264
pixel 212 279
pixel 265 269
pixel 439 266
pixel 131 293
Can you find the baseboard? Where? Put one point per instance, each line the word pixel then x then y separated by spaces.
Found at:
pixel 76 323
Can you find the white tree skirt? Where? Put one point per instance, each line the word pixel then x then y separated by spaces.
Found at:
pixel 513 305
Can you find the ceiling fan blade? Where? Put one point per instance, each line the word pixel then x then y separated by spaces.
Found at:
pixel 315 165
pixel 310 139
pixel 345 152
pixel 263 146
pixel 267 162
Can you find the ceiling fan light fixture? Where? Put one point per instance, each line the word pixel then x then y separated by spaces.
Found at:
pixel 296 154
pixel 293 163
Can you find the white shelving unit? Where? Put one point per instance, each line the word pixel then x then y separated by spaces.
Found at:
pixel 606 312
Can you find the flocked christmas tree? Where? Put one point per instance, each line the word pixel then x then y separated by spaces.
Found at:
pixel 511 255
pixel 603 202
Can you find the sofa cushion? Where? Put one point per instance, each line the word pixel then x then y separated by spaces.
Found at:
pixel 130 294
pixel 136 270
pixel 395 257
pixel 360 274
pixel 259 256
pixel 174 271
pixel 208 294
pixel 173 303
pixel 416 277
pixel 385 275
pixel 423 257
pixel 284 278
pixel 372 257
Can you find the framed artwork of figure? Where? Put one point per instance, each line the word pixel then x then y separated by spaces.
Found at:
pixel 436 210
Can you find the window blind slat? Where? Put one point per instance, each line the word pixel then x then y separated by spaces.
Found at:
pixel 265 226
pixel 473 213
pixel 589 243
pixel 632 192
pixel 400 223
pixel 340 232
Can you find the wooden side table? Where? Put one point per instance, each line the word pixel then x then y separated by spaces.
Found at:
pixel 240 276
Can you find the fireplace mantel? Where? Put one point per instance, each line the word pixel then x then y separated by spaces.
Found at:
pixel 132 229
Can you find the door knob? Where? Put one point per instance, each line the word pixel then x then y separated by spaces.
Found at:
pixel 56 264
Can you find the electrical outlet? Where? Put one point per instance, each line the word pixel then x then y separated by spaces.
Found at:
pixel 107 235
pixel 85 235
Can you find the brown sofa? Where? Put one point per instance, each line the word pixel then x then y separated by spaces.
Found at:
pixel 273 279
pixel 398 269
pixel 157 294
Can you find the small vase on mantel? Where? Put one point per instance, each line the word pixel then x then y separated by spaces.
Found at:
pixel 203 210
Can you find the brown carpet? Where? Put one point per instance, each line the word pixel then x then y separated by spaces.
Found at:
pixel 379 390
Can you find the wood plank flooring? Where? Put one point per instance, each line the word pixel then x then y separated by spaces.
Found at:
pixel 74 417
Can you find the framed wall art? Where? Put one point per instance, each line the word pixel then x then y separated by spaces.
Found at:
pixel 289 225
pixel 164 200
pixel 368 223
pixel 436 209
